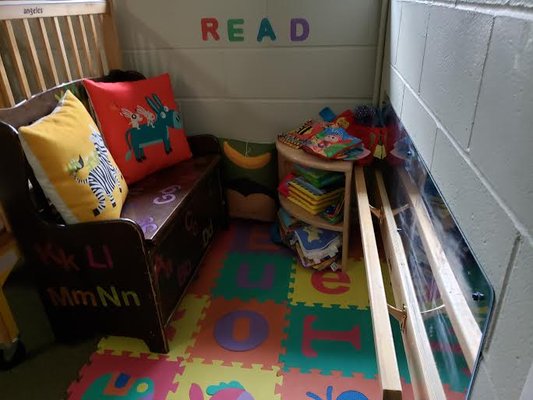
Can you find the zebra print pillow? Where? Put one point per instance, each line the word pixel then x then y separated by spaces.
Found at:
pixel 72 164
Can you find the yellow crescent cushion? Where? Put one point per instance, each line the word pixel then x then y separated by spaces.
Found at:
pixel 72 164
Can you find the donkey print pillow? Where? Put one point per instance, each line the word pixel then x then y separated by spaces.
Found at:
pixel 141 123
pixel 72 163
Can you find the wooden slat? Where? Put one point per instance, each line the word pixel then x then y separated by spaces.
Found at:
pixel 74 44
pixel 48 49
pixel 34 56
pixel 97 48
pixel 6 98
pixel 346 218
pixel 422 367
pixel 105 63
pixel 463 322
pixel 18 65
pixel 111 43
pixel 389 375
pixel 10 10
pixel 85 43
pixel 59 38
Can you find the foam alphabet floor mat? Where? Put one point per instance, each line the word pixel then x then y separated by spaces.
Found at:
pixel 256 326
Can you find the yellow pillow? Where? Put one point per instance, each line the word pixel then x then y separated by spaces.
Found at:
pixel 72 163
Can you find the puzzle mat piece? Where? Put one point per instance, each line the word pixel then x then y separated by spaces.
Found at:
pixel 235 331
pixel 255 237
pixel 334 339
pixel 326 288
pixel 329 339
pixel 259 276
pixel 209 270
pixel 107 376
pixel 191 310
pixel 259 383
pixel 297 385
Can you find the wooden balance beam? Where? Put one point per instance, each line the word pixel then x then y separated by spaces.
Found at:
pixel 463 322
pixel 389 375
pixel 422 367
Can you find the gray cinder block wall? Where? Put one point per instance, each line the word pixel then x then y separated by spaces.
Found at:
pixel 459 74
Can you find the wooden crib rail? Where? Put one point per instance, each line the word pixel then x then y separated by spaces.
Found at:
pixel 422 367
pixel 463 322
pixel 50 42
pixel 389 374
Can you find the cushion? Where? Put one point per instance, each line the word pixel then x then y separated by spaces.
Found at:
pixel 73 165
pixel 141 124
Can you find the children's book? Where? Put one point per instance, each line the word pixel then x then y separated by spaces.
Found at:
pixel 307 263
pixel 287 220
pixel 319 178
pixel 312 191
pixel 327 201
pixel 332 142
pixel 316 242
pixel 296 137
pixel 313 210
pixel 334 213
pixel 283 187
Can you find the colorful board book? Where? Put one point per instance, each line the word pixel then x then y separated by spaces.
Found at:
pixel 312 192
pixel 316 241
pixel 319 178
pixel 296 137
pixel 313 210
pixel 332 142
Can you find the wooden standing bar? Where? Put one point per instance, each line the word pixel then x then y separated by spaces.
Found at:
pixel 389 374
pixel 463 322
pixel 422 367
pixel 98 45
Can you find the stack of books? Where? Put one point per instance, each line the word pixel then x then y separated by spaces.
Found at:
pixel 319 178
pixel 316 248
pixel 311 198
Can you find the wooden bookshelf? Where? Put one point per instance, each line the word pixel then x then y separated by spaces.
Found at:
pixel 287 156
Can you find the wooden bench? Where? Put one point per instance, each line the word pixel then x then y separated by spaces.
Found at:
pixel 122 277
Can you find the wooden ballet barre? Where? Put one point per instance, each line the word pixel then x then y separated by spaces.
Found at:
pixel 425 378
pixel 389 375
pixel 463 322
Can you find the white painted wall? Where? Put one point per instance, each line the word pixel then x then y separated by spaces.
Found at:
pixel 249 90
pixel 460 75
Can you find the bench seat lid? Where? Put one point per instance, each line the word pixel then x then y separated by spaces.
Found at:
pixel 155 200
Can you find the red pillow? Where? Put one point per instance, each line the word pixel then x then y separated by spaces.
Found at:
pixel 141 123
